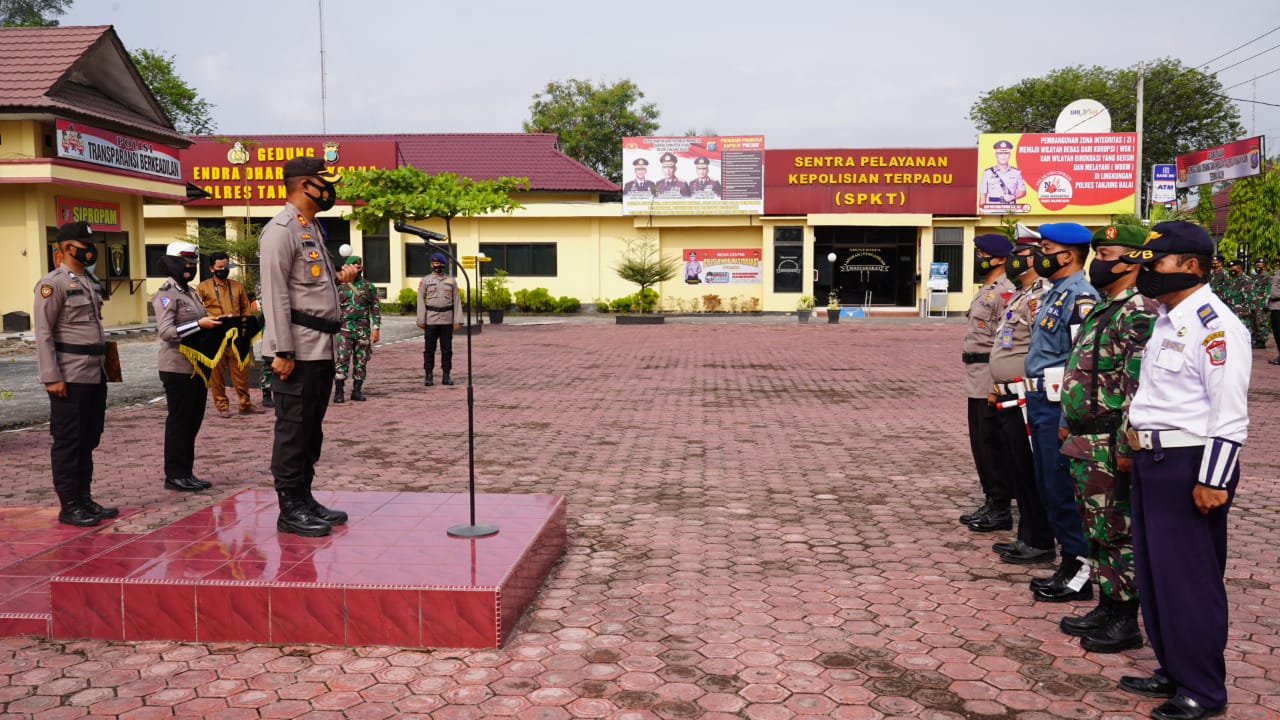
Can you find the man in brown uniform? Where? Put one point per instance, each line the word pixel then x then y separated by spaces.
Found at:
pixel 71 356
pixel 224 297
pixel 300 306
pixel 439 314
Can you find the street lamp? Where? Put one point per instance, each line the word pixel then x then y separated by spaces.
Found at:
pixel 831 258
pixel 480 288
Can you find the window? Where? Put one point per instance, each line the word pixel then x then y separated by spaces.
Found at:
pixel 948 247
pixel 417 262
pixel 337 232
pixel 377 257
pixel 521 259
pixel 788 259
pixel 153 255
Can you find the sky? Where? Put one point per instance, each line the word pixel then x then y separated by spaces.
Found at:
pixel 804 73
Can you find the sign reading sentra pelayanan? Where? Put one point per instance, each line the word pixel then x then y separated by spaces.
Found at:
pixel 250 172
pixel 870 180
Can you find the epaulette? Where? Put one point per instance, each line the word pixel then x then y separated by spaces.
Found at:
pixel 1207 314
pixel 166 285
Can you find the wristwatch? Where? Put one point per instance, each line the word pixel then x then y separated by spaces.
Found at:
pixel 285 355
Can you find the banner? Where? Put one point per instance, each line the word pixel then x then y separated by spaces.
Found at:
pixel 721 267
pixel 109 149
pixel 1241 158
pixel 1164 187
pixel 1052 173
pixel 875 180
pixel 693 175
pixel 246 171
pixel 104 216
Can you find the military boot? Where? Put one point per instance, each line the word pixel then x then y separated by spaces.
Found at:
pixel 75 513
pixel 445 379
pixel 431 379
pixel 338 397
pixel 1120 632
pixel 266 399
pixel 1081 625
pixel 356 394
pixel 297 518
pixel 331 516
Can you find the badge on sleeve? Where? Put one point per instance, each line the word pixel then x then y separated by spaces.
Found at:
pixel 164 302
pixel 1217 351
pixel 46 291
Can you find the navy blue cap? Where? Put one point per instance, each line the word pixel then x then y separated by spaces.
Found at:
pixel 1003 145
pixel 437 257
pixel 1066 233
pixel 78 230
pixel 994 244
pixel 1174 237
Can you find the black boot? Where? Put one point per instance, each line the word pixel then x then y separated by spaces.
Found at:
pixel 75 513
pixel 982 511
pixel 266 399
pixel 997 518
pixel 356 395
pixel 1119 633
pixel 430 379
pixel 297 518
pixel 445 380
pixel 1081 625
pixel 333 517
pixel 338 397
pixel 106 513
pixel 1070 582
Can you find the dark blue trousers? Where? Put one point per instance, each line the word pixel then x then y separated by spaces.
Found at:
pixel 1053 476
pixel 1033 526
pixel 1179 556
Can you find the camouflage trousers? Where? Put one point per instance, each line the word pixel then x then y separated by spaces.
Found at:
pixel 354 350
pixel 264 383
pixel 1103 498
pixel 1260 325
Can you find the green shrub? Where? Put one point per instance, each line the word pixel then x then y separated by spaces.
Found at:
pixel 496 294
pixel 636 302
pixel 407 296
pixel 537 300
pixel 391 308
pixel 568 304
pixel 602 305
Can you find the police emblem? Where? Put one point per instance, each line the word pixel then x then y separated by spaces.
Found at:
pixel 313 255
pixel 331 152
pixel 1217 351
pixel 164 302
pixel 315 270
pixel 46 291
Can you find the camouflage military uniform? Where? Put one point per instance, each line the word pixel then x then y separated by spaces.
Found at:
pixel 1218 282
pixel 1237 293
pixel 361 315
pixel 1260 320
pixel 264 382
pixel 1094 400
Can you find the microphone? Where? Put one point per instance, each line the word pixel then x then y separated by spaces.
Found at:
pixel 423 233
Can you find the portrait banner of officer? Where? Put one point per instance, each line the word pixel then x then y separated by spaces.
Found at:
pixel 692 175
pixel 1056 173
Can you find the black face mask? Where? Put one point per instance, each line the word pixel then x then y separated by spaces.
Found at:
pixel 1015 265
pixel 328 196
pixel 1154 284
pixel 179 269
pixel 437 269
pixel 1047 264
pixel 86 256
pixel 222 274
pixel 1103 272
pixel 982 266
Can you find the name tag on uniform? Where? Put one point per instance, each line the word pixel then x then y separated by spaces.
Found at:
pixel 1006 338
pixel 74 292
pixel 308 243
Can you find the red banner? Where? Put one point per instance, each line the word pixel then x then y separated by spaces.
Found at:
pixel 100 215
pixel 1241 158
pixel 245 171
pixel 870 180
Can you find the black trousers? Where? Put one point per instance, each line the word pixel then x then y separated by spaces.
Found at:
pixel 301 402
pixel 75 422
pixel 984 442
pixel 1033 523
pixel 1275 328
pixel 444 335
pixel 186 395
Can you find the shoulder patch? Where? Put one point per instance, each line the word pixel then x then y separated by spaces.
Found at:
pixel 1217 351
pixel 46 290
pixel 1215 335
pixel 1207 314
pixel 1085 305
pixel 165 300
pixel 166 285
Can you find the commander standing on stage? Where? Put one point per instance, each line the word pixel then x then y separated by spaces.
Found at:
pixel 300 307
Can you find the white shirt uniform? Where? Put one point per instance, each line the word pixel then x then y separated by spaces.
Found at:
pixel 1195 378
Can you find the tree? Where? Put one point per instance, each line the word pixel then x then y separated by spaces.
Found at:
pixel 1204 212
pixel 1253 219
pixel 242 248
pixel 407 193
pixel 32 13
pixel 644 265
pixel 1183 108
pixel 591 120
pixel 190 113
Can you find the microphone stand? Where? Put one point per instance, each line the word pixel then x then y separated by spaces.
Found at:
pixel 472 530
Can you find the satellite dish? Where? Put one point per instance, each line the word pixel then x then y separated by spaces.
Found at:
pixel 1084 116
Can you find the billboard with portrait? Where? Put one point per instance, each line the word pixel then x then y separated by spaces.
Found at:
pixel 1056 173
pixel 693 175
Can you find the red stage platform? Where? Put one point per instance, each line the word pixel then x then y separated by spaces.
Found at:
pixel 391 576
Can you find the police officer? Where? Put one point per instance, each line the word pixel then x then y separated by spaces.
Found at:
pixel 703 186
pixel 1187 423
pixel 439 314
pixel 1033 542
pixel 1273 307
pixel 300 306
pixel 1063 249
pixel 180 314
pixel 640 185
pixel 991 251
pixel 1100 379
pixel 70 356
pixel 1001 184
pixel 670 186
pixel 361 320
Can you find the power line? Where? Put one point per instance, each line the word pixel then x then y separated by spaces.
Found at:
pixel 1255 77
pixel 1264 52
pixel 1205 65
pixel 1255 102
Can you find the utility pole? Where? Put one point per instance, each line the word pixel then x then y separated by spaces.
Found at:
pixel 1137 173
pixel 324 121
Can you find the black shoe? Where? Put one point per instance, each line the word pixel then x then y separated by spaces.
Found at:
pixel 356 391
pixel 982 511
pixel 1120 633
pixel 1156 686
pixel 329 515
pixel 1181 707
pixel 1038 583
pixel 106 513
pixel 266 399
pixel 78 515
pixel 185 484
pixel 430 380
pixel 297 518
pixel 1001 548
pixel 1024 554
pixel 338 398
pixel 1071 582
pixel 997 519
pixel 1274 361
pixel 204 484
pixel 446 380
pixel 1081 625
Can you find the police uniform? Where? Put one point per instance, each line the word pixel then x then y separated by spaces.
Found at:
pixel 300 308
pixel 644 187
pixel 1001 185
pixel 226 297
pixel 673 187
pixel 178 311
pixel 71 349
pixel 704 187
pixel 693 270
pixel 984 443
pixel 1064 306
pixel 1187 423
pixel 439 309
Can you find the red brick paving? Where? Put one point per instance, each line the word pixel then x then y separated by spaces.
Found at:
pixel 761 525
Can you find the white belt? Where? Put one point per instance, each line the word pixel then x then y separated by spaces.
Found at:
pixel 1145 439
pixel 1009 388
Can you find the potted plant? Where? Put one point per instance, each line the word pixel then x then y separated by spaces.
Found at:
pixel 496 296
pixel 804 307
pixel 642 263
pixel 408 299
pixel 833 307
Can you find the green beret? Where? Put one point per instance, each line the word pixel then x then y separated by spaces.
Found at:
pixel 1126 235
pixel 353 260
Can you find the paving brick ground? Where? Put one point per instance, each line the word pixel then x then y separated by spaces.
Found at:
pixel 762 525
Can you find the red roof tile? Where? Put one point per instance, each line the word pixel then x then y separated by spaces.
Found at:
pixel 481 156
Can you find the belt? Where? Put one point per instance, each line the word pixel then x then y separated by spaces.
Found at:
pixel 974 358
pixel 1035 384
pixel 442 308
pixel 1103 425
pixel 1009 388
pixel 1157 439
pixel 297 317
pixel 95 349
